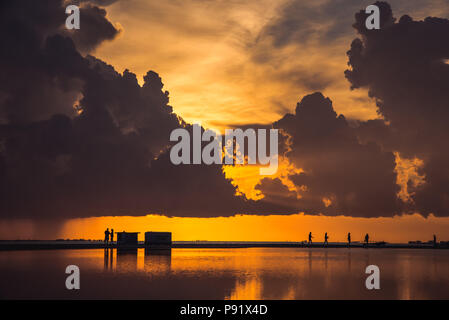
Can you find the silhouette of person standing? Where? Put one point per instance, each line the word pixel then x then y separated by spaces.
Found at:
pixel 310 237
pixel 434 240
pixel 349 238
pixel 106 236
pixel 366 238
pixel 112 236
pixel 326 238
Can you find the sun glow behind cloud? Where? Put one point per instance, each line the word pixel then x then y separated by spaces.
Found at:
pixel 246 177
pixel 219 65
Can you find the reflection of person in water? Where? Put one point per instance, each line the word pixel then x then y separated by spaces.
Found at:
pixel 106 236
pixel 106 258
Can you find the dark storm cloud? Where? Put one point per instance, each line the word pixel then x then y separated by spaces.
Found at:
pixel 79 139
pixel 280 198
pixel 94 28
pixel 404 68
pixel 344 174
pixel 358 179
pixel 27 78
pixel 102 157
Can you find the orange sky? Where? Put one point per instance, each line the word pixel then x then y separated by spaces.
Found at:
pixel 268 228
pixel 220 70
pixel 245 228
pixel 206 55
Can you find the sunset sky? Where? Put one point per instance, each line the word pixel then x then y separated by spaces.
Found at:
pixel 250 61
pixel 230 64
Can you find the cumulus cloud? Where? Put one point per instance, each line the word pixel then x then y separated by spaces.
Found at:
pixel 403 65
pixel 95 28
pixel 341 175
pixel 80 139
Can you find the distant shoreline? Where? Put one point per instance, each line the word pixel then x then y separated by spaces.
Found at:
pixel 11 245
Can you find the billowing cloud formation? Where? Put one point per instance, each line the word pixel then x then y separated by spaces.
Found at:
pixel 341 176
pixel 79 139
pixel 404 67
pixel 94 18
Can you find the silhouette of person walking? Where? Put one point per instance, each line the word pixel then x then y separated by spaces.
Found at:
pixel 366 239
pixel 106 236
pixel 112 236
pixel 310 237
pixel 326 237
pixel 349 238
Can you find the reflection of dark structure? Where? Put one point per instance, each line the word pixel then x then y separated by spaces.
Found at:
pixel 158 240
pixel 126 251
pixel 158 252
pixel 127 258
pixel 108 258
pixel 158 259
pixel 127 239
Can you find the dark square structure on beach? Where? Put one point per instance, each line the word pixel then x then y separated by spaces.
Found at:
pixel 127 238
pixel 158 239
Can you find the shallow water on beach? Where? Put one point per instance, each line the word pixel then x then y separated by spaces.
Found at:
pixel 253 273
